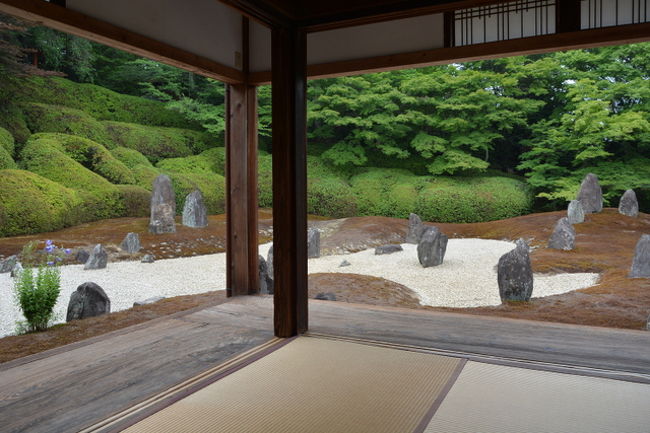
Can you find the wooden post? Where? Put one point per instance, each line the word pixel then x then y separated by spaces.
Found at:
pixel 289 78
pixel 567 16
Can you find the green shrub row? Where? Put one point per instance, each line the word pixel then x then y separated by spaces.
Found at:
pixel 6 149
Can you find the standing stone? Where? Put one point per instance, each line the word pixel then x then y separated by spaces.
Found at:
pixel 313 243
pixel 89 300
pixel 326 296
pixel 388 249
pixel 15 272
pixel 266 282
pixel 269 261
pixel 432 247
pixel 131 243
pixel 515 274
pixel 641 261
pixel 590 194
pixel 8 264
pixel 148 258
pixel 195 213
pixel 575 212
pixel 98 258
pixel 564 236
pixel 416 228
pixel 629 205
pixel 82 256
pixel 163 206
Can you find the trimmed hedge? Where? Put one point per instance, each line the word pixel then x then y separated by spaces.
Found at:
pixel 330 197
pixel 136 201
pixel 188 165
pixel 6 141
pixel 264 179
pixel 216 158
pixel 130 157
pixel 13 120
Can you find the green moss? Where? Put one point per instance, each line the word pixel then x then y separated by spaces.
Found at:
pixel 6 141
pixel 135 200
pixel 157 143
pixel 6 161
pixel 30 203
pixel 130 157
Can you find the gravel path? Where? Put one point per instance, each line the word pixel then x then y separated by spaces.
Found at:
pixel 467 278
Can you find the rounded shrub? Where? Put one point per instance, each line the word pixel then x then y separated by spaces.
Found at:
pixel 264 179
pixel 6 141
pixel 12 119
pixel 6 161
pixel 188 164
pixel 130 157
pixel 213 187
pixel 330 197
pixel 135 200
pixel 216 158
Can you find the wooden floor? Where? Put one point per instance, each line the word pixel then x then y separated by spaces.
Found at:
pixel 66 390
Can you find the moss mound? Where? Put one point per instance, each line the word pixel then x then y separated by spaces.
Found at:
pixel 6 141
pixel 135 200
pixel 30 203
pixel 130 157
pixel 13 120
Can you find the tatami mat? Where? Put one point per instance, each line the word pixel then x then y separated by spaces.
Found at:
pixel 315 385
pixel 490 398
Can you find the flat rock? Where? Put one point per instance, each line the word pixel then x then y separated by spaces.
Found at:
pixel 515 274
pixel 590 194
pixel 82 256
pixel 416 228
pixel 148 258
pixel 575 212
pixel 195 214
pixel 629 205
pixel 6 265
pixel 163 206
pixel 326 296
pixel 131 243
pixel 89 300
pixel 564 236
pixel 148 301
pixel 432 247
pixel 98 258
pixel 641 261
pixel 313 243
pixel 265 281
pixel 388 249
pixel 344 263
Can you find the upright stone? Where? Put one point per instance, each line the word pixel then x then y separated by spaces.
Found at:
pixel 575 212
pixel 564 236
pixel 416 228
pixel 163 206
pixel 269 261
pixel 98 258
pixel 515 274
pixel 131 243
pixel 194 212
pixel 641 261
pixel 89 300
pixel 590 194
pixel 629 205
pixel 15 272
pixel 388 249
pixel 432 247
pixel 8 264
pixel 266 282
pixel 313 243
pixel 82 256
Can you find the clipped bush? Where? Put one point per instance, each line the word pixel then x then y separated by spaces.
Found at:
pixel 6 141
pixel 330 197
pixel 216 158
pixel 189 164
pixel 145 175
pixel 213 187
pixel 130 157
pixel 13 120
pixel 264 179
pixel 135 200
pixel 6 161
pixel 30 203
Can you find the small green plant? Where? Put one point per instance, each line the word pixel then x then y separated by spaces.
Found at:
pixel 37 294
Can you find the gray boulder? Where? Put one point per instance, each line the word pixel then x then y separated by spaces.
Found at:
pixel 15 272
pixel 148 301
pixel 432 247
pixel 8 264
pixel 269 261
pixel 388 249
pixel 266 282
pixel 344 263
pixel 163 206
pixel 89 300
pixel 641 261
pixel 629 205
pixel 647 325
pixel 575 212
pixel 590 194
pixel 82 256
pixel 564 236
pixel 195 213
pixel 148 258
pixel 98 258
pixel 313 243
pixel 326 296
pixel 131 243
pixel 416 228
pixel 515 274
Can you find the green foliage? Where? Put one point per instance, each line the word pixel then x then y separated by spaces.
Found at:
pixel 130 157
pixel 135 200
pixel 13 120
pixel 216 158
pixel 6 141
pixel 331 197
pixel 264 179
pixel 6 161
pixel 145 175
pixel 37 296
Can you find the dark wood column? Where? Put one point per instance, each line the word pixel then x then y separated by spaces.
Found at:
pixel 289 72
pixel 241 190
pixel 567 16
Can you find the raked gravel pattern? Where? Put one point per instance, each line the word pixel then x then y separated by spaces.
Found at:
pixel 467 278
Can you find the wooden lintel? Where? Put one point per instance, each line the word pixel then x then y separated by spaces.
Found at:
pixel 82 25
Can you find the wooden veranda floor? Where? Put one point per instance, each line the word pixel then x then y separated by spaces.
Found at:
pixel 66 390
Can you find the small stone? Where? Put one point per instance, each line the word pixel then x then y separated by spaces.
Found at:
pixel 15 272
pixel 326 296
pixel 195 214
pixel 647 325
pixel 8 264
pixel 432 247
pixel 98 258
pixel 131 243
pixel 564 236
pixel 629 205
pixel 265 281
pixel 148 301
pixel 269 261
pixel 148 258
pixel 89 300
pixel 163 206
pixel 590 194
pixel 344 263
pixel 388 249
pixel 82 256
pixel 416 229
pixel 641 261
pixel 575 212
pixel 313 243
pixel 515 274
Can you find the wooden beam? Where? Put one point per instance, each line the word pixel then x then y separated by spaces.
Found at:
pixel 82 25
pixel 616 35
pixel 261 12
pixel 289 56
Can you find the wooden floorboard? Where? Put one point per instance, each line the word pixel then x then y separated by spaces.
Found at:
pixel 69 390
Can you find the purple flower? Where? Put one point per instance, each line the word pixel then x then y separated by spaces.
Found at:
pixel 48 242
pixel 50 263
pixel 59 259
pixel 67 251
pixel 49 248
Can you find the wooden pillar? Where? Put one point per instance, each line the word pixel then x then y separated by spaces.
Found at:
pixel 241 190
pixel 289 72
pixel 567 16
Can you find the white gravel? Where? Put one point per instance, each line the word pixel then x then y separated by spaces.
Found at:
pixel 467 278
